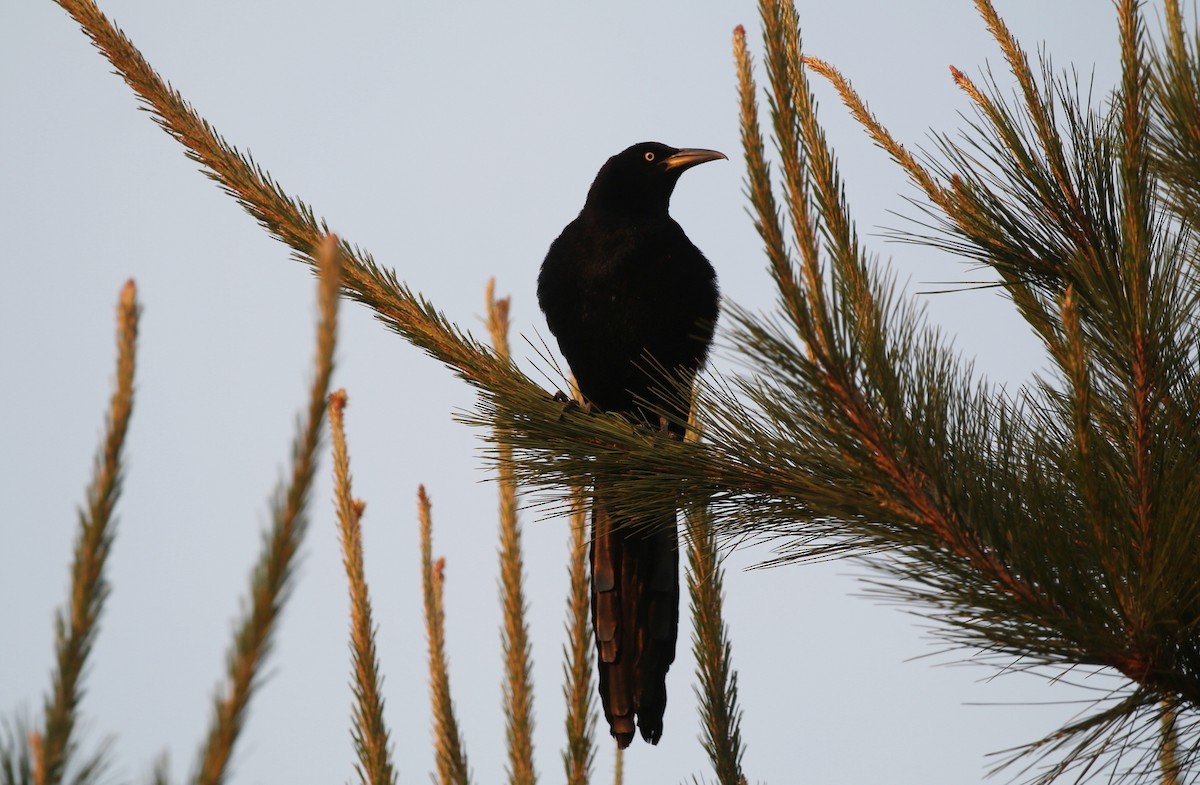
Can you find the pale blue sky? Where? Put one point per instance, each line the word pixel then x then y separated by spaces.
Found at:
pixel 396 120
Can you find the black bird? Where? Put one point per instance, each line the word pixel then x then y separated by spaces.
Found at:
pixel 625 292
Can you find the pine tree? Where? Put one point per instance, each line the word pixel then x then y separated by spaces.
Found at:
pixel 1053 527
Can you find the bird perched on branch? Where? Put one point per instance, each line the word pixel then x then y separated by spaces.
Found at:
pixel 633 302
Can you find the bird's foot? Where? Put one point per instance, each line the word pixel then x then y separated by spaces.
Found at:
pixel 569 404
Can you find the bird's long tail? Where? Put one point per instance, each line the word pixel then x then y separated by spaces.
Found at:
pixel 635 616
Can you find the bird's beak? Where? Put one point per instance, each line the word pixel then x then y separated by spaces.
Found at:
pixel 689 157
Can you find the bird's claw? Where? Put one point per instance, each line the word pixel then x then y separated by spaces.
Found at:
pixel 569 404
pixel 663 431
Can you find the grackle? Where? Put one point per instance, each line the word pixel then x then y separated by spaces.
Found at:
pixel 629 297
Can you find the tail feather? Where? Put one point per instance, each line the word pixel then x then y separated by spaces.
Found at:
pixel 635 616
pixel 606 608
pixel 659 629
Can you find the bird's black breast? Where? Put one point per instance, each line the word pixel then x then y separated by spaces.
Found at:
pixel 617 292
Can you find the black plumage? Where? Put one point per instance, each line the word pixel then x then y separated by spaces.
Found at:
pixel 628 295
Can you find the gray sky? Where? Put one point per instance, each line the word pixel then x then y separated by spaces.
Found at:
pixel 453 143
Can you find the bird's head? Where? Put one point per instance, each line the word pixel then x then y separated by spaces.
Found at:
pixel 640 178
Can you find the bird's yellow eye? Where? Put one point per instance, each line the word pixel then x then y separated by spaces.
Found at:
pixel 649 156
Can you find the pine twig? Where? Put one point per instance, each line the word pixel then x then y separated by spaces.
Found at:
pixel 578 688
pixel 370 734
pixel 720 715
pixel 450 753
pixel 77 625
pixel 271 578
pixel 518 687
pixel 762 196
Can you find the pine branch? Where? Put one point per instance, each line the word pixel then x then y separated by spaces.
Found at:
pixel 77 625
pixel 518 687
pixel 1144 386
pixel 449 749
pixel 1052 172
pixel 1065 211
pixel 288 219
pixel 961 214
pixel 578 687
pixel 370 734
pixel 271 577
pixel 1176 118
pixel 720 716
pixel 761 194
pixel 853 365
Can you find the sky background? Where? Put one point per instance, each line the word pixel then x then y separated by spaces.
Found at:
pixel 453 141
